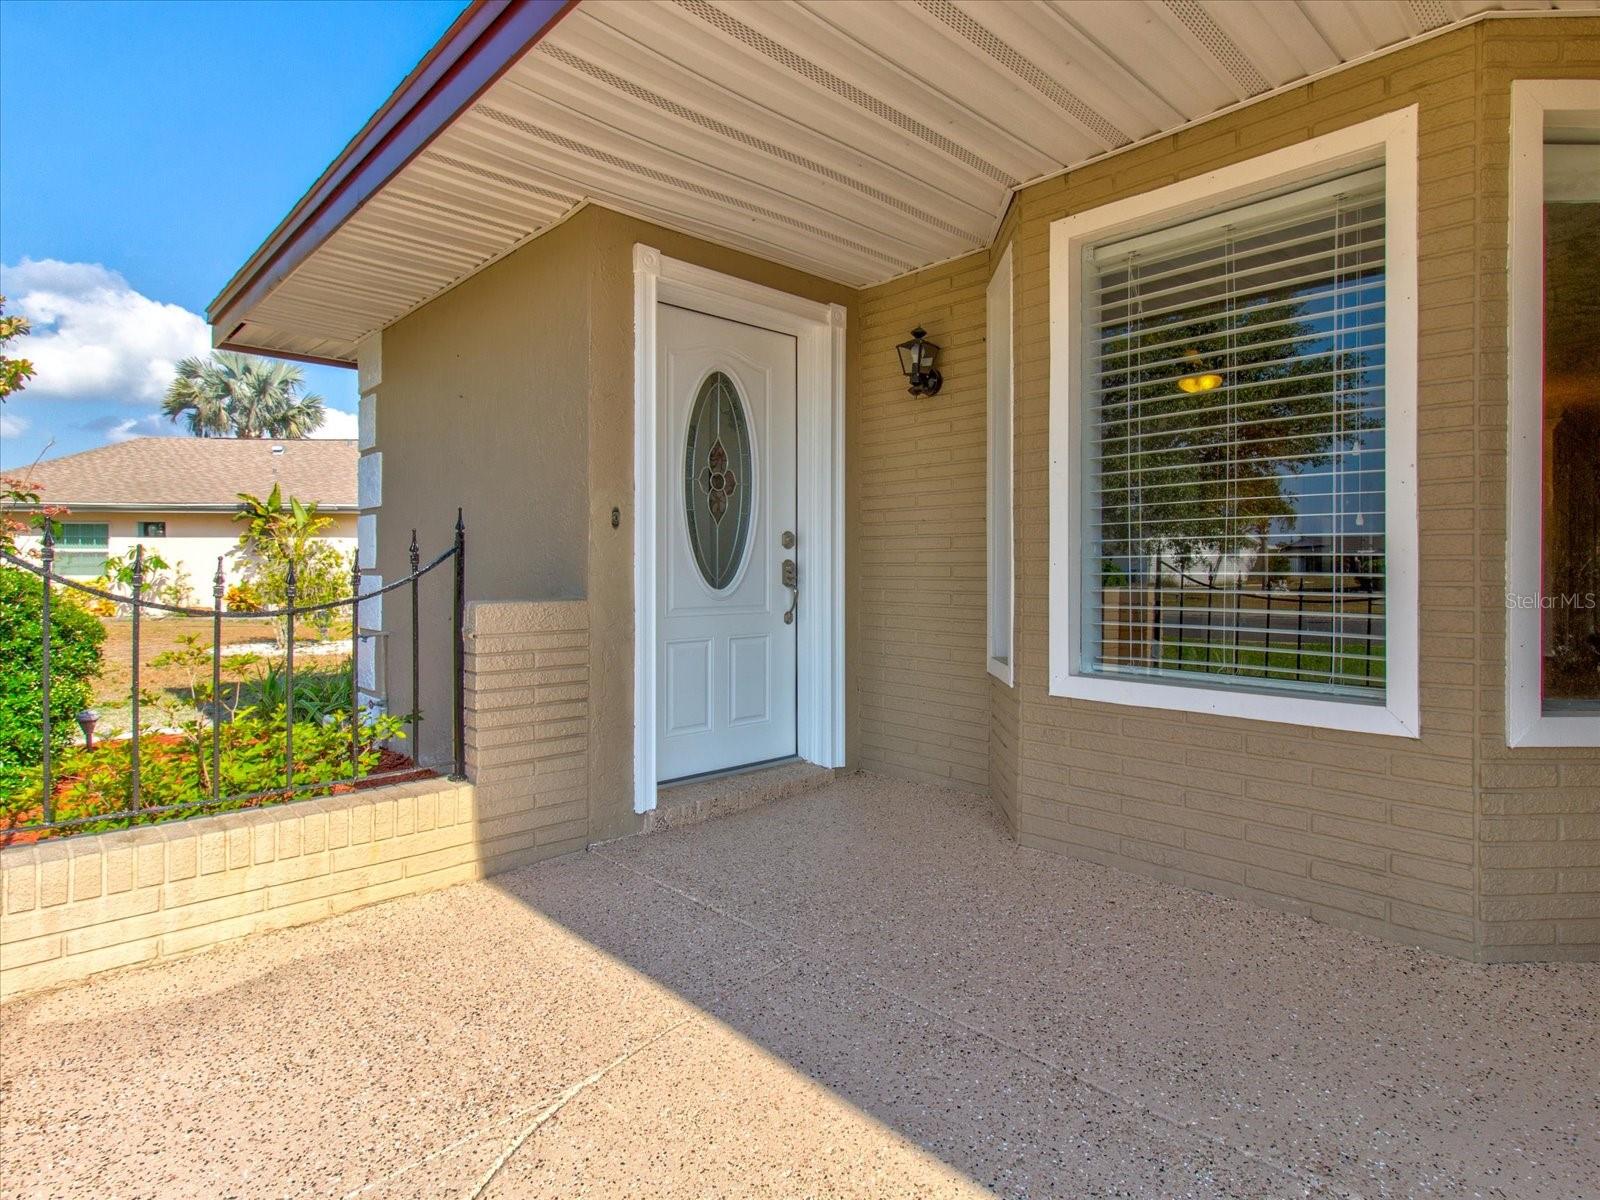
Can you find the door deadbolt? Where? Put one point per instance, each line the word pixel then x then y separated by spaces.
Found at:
pixel 788 539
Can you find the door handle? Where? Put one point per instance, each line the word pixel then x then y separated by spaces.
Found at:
pixel 791 580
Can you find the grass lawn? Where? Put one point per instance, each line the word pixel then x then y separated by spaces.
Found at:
pixel 155 639
pixel 1356 662
pixel 113 689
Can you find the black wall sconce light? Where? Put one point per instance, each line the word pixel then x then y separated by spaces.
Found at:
pixel 916 359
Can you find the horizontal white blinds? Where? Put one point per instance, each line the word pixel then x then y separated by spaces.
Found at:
pixel 1237 446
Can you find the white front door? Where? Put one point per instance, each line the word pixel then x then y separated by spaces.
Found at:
pixel 725 634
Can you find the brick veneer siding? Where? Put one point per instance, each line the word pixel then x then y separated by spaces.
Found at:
pixel 918 466
pixel 79 906
pixel 1538 810
pixel 1450 841
pixel 528 728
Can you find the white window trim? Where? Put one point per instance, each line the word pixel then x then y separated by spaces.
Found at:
pixel 1391 138
pixel 1001 535
pixel 1527 724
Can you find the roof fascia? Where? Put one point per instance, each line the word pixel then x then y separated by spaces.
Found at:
pixel 483 43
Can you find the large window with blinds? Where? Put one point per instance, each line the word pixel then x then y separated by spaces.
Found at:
pixel 1233 390
pixel 1235 453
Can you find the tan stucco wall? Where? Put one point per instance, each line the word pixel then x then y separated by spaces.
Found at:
pixel 482 407
pixel 1451 841
pixel 512 395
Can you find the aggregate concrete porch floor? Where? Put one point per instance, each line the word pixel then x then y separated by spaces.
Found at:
pixel 867 991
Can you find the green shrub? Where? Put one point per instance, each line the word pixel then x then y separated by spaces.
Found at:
pixel 279 531
pixel 75 638
pixel 318 695
pixel 322 575
pixel 176 769
pixel 244 598
pixel 163 583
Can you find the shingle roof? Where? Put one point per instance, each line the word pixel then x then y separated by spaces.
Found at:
pixel 203 473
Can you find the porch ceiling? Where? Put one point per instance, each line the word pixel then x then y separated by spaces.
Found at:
pixel 855 139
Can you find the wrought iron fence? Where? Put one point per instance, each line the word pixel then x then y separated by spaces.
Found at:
pixel 1319 633
pixel 138 605
pixel 1302 630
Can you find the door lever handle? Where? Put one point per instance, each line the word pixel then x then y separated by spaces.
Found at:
pixel 791 580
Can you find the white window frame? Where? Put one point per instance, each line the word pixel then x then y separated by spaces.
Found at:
pixel 1001 536
pixel 102 548
pixel 1527 722
pixel 1390 139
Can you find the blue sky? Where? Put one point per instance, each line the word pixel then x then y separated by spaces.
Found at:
pixel 146 149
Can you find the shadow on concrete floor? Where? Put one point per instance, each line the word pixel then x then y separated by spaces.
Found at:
pixel 866 991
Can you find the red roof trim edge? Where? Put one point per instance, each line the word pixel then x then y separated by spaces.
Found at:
pixel 483 43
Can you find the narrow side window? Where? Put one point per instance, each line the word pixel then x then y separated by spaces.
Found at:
pixel 1553 551
pixel 1001 545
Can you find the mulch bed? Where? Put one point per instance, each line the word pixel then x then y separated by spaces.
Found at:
pixel 388 761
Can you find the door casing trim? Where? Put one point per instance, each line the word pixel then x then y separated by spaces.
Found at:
pixel 819 333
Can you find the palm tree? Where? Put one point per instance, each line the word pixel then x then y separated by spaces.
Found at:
pixel 239 395
pixel 199 396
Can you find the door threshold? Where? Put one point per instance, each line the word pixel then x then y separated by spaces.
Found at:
pixel 728 772
pixel 722 793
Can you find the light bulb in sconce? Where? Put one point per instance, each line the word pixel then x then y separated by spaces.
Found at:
pixel 1199 378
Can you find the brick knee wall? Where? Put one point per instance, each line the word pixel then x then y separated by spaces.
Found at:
pixel 75 907
pixel 528 728
pixel 78 906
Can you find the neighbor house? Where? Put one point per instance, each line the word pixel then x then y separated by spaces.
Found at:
pixel 177 497
pixel 852 382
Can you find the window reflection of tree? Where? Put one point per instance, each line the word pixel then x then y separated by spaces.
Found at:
pixel 1211 472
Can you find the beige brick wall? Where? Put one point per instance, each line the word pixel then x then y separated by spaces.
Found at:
pixel 917 465
pixel 79 906
pixel 1449 841
pixel 1004 703
pixel 1538 810
pixel 528 728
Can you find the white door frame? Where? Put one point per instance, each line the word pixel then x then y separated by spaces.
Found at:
pixel 819 331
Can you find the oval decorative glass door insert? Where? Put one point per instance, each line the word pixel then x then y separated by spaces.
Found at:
pixel 718 477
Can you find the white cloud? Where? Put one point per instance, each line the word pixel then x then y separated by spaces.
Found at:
pixel 121 429
pixel 11 426
pixel 337 424
pixel 94 337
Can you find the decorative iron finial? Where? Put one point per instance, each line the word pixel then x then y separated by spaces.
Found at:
pixel 416 554
pixel 138 568
pixel 218 582
pixel 290 587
